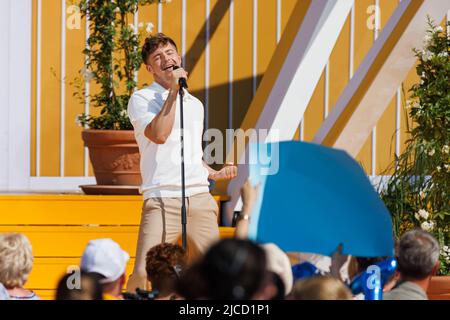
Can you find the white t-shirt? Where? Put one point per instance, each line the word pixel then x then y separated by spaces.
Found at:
pixel 161 163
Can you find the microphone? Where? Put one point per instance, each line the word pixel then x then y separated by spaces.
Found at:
pixel 182 81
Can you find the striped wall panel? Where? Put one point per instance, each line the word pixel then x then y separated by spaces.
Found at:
pixel 227 44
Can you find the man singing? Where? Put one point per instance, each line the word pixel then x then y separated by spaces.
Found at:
pixel 154 113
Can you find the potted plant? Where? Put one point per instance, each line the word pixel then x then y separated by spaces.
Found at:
pixel 112 60
pixel 417 193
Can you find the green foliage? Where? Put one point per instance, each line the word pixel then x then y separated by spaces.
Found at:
pixel 417 192
pixel 113 58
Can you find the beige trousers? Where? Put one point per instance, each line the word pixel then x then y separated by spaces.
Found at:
pixel 161 222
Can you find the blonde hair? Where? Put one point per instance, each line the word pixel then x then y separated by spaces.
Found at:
pixel 16 259
pixel 320 288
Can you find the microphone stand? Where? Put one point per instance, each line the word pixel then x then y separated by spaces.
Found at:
pixel 183 186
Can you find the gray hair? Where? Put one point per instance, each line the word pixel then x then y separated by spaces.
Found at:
pixel 418 253
pixel 16 259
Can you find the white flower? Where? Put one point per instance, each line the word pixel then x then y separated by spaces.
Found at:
pixel 439 29
pixel 447 167
pixel 427 225
pixel 123 113
pixel 445 149
pixel 438 168
pixel 149 27
pixel 87 74
pixel 431 152
pixel 427 39
pixel 408 104
pixel 426 55
pixel 446 249
pixel 443 54
pixel 424 214
pixel 417 216
pixel 77 120
pixel 117 10
pixel 131 27
pixel 422 195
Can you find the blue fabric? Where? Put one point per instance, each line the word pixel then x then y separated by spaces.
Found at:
pixel 314 198
pixel 304 270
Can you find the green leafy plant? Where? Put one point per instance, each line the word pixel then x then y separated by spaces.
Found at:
pixel 417 194
pixel 112 59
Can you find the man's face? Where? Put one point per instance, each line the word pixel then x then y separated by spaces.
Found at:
pixel 161 62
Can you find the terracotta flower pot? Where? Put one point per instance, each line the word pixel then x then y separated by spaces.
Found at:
pixel 114 155
pixel 439 288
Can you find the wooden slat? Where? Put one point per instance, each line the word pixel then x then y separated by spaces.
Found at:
pixel 47 272
pixel 266 34
pixel 45 294
pixel 242 63
pixel 385 148
pixel 314 113
pixel 218 72
pixel 33 92
pixel 74 146
pixel 147 14
pixel 72 209
pixel 195 47
pixel 363 42
pixel 70 241
pixel 50 86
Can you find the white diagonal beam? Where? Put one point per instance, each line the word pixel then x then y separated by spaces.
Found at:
pixel 303 67
pixel 296 78
pixel 387 64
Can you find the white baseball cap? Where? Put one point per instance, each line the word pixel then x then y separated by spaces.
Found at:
pixel 278 262
pixel 106 257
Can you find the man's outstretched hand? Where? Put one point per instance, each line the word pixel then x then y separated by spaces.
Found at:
pixel 228 172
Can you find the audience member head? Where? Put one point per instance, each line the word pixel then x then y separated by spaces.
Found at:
pixel 108 260
pixel 320 288
pixel 278 262
pixel 418 255
pixel 86 287
pixel 232 269
pixel 164 264
pixel 3 293
pixel 16 260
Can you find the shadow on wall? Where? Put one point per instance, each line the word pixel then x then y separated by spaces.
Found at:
pixel 218 105
pixel 217 111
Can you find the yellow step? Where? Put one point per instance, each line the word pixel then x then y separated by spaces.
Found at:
pixel 46 294
pixel 59 226
pixel 70 241
pixel 54 209
pixel 46 272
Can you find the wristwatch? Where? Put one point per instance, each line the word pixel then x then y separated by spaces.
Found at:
pixel 244 217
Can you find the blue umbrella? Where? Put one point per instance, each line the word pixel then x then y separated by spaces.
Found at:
pixel 313 198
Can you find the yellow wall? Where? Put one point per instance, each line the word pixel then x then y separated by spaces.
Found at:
pixel 218 90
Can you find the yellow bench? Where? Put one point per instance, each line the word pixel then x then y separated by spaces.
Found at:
pixel 60 226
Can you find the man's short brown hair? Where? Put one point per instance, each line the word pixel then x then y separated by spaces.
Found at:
pixel 163 264
pixel 154 42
